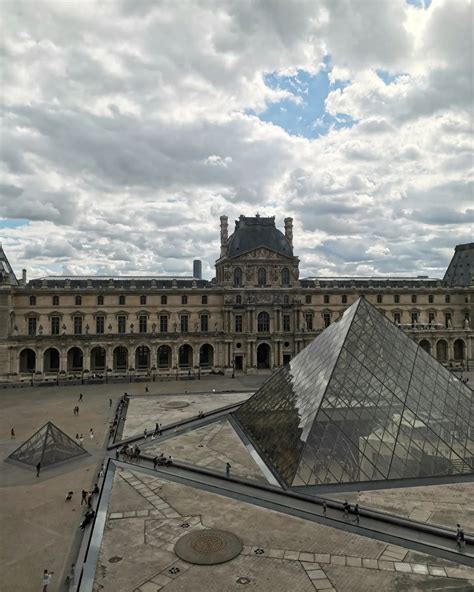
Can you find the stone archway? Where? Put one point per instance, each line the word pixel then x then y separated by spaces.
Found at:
pixel 425 344
pixel 98 359
pixel 459 349
pixel 163 356
pixel 27 360
pixel 185 356
pixel 51 360
pixel 75 359
pixel 206 356
pixel 263 356
pixel 442 350
pixel 142 358
pixel 120 358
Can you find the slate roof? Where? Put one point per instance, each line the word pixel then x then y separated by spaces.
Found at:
pixel 461 268
pixel 253 232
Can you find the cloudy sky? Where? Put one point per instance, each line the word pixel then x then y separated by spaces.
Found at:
pixel 130 126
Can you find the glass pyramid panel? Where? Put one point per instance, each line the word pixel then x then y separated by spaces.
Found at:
pixel 362 402
pixel 49 445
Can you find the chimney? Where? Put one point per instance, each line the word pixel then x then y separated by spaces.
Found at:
pixel 224 233
pixel 197 269
pixel 289 230
pixel 23 276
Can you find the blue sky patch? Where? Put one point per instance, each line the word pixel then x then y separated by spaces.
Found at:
pixel 13 222
pixel 420 3
pixel 304 114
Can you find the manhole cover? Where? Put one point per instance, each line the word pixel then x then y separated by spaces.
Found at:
pixel 115 559
pixel 174 404
pixel 208 547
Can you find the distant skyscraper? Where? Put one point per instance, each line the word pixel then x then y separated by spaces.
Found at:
pixel 197 269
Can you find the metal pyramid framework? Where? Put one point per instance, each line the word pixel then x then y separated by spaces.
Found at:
pixel 49 445
pixel 362 402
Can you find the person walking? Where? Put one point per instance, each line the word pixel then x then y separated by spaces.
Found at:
pixel 325 509
pixel 227 469
pixel 145 433
pixel 155 462
pixel 110 402
pixel 460 538
pixel 81 439
pixel 91 434
pixel 83 497
pixel 80 397
pixel 346 507
pixel 356 514
pixel 47 579
pixel 71 575
pixel 12 434
pixel 38 469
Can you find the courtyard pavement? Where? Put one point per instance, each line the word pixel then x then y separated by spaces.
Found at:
pixel 39 528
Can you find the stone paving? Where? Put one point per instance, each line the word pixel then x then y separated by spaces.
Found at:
pixel 169 510
pixel 144 412
pixel 211 446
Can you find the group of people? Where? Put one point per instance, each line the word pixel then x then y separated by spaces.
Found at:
pixel 156 432
pixel 346 508
pixel 128 452
pixel 87 496
pixel 161 460
pixel 75 411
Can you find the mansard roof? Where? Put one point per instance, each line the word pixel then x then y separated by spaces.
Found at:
pixel 118 282
pixel 461 268
pixel 254 232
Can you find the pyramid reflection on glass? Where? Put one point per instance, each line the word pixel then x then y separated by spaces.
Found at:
pixel 49 445
pixel 362 402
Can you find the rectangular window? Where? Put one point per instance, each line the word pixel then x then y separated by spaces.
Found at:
pixel 142 319
pixel 447 298
pixel 396 298
pixel 121 300
pixel 204 322
pixel 430 298
pixel 32 326
pixel 379 299
pixel 326 299
pixel 54 325
pixel 308 299
pixel 32 300
pixel 143 299
pixel 344 299
pixel 184 323
pixel 203 299
pixel 184 299
pixel 414 319
pixel 431 318
pixel 413 298
pixel 77 325
pixel 397 318
pixel 55 300
pixel 286 322
pixel 121 322
pixel 163 324
pixel 308 317
pixel 238 323
pixel 327 319
pixel 100 325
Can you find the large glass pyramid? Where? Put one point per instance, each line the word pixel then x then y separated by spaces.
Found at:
pixel 49 445
pixel 362 402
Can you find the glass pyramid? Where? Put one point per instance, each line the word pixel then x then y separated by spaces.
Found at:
pixel 49 445
pixel 362 402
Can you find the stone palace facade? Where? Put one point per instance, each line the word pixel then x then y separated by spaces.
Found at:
pixel 255 315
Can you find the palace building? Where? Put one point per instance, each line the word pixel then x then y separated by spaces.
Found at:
pixel 255 315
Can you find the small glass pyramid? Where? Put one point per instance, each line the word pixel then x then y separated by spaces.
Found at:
pixel 49 445
pixel 362 402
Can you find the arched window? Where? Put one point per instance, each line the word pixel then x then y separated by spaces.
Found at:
pixel 285 276
pixel 262 277
pixel 263 322
pixel 237 276
pixel 78 300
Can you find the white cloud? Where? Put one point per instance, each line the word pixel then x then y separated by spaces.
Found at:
pixel 126 133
